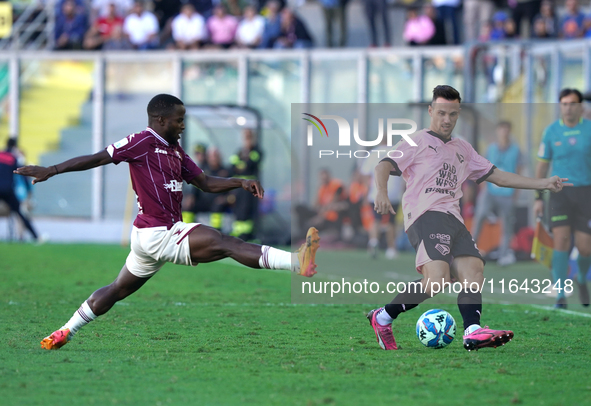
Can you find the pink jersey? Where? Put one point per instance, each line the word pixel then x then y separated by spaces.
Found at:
pixel 434 172
pixel 157 172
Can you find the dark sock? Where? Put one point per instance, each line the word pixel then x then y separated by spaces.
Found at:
pixel 470 305
pixel 410 299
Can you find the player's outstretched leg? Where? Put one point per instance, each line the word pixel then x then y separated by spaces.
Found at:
pixel 97 304
pixel 208 245
pixel 381 319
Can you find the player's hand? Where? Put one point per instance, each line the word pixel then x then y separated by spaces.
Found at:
pixel 39 173
pixel 254 187
pixel 556 183
pixel 539 208
pixel 382 204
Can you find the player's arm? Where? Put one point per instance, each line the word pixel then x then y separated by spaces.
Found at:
pixel 382 205
pixel 80 163
pixel 541 172
pixel 513 180
pixel 214 184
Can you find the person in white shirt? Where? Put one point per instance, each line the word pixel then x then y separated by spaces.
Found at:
pixel 141 27
pixel 250 30
pixel 188 28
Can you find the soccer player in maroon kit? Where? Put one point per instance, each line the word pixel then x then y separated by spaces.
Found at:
pixel 158 166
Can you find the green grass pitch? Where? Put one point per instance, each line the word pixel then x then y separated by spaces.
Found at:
pixel 220 334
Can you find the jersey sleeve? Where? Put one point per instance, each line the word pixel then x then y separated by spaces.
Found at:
pixel 479 168
pixel 402 155
pixel 129 149
pixel 545 150
pixel 189 169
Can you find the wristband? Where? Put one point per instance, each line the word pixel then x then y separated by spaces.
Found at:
pixel 56 171
pixel 539 194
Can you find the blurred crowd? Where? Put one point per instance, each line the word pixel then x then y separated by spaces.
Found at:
pixel 176 24
pixel 223 24
pixel 438 22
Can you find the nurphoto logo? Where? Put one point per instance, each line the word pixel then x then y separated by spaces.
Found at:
pixel 345 136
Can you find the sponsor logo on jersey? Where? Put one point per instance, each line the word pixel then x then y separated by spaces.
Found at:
pixel 121 143
pixel 460 157
pixel 558 143
pixel 433 148
pixel 174 186
pixel 439 190
pixel 443 238
pixel 160 151
pixel 442 248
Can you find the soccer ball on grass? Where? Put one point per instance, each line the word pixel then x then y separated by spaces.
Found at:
pixel 436 328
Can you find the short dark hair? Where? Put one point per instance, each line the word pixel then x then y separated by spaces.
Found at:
pixel 10 143
pixel 568 91
pixel 504 123
pixel 446 92
pixel 162 105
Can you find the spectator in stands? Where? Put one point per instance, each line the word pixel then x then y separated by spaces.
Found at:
pixel 235 7
pixel 335 11
pixel 477 15
pixel 506 156
pixel 448 13
pixel 510 29
pixel 203 7
pixel 118 41
pixel 373 9
pixel 272 29
pixel 485 32
pixel 166 10
pixel 222 28
pixel 102 8
pixel 250 30
pixel 102 29
pixel 524 9
pixel 545 21
pixel 188 28
pixel 439 36
pixel 70 27
pixel 572 24
pixel 418 29
pixel 294 33
pixel 141 27
pixel 498 26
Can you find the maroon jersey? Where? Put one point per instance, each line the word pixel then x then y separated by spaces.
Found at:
pixel 157 172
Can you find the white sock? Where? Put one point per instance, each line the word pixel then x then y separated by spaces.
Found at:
pixel 471 328
pixel 384 318
pixel 81 317
pixel 272 258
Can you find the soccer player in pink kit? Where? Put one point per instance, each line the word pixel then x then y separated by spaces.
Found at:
pixel 158 166
pixel 434 171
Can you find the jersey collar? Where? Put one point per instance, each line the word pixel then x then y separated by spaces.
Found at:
pixel 561 121
pixel 434 134
pixel 155 134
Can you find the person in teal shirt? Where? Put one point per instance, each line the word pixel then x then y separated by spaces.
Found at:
pixel 506 156
pixel 566 144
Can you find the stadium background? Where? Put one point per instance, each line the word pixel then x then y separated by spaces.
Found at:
pixel 63 104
